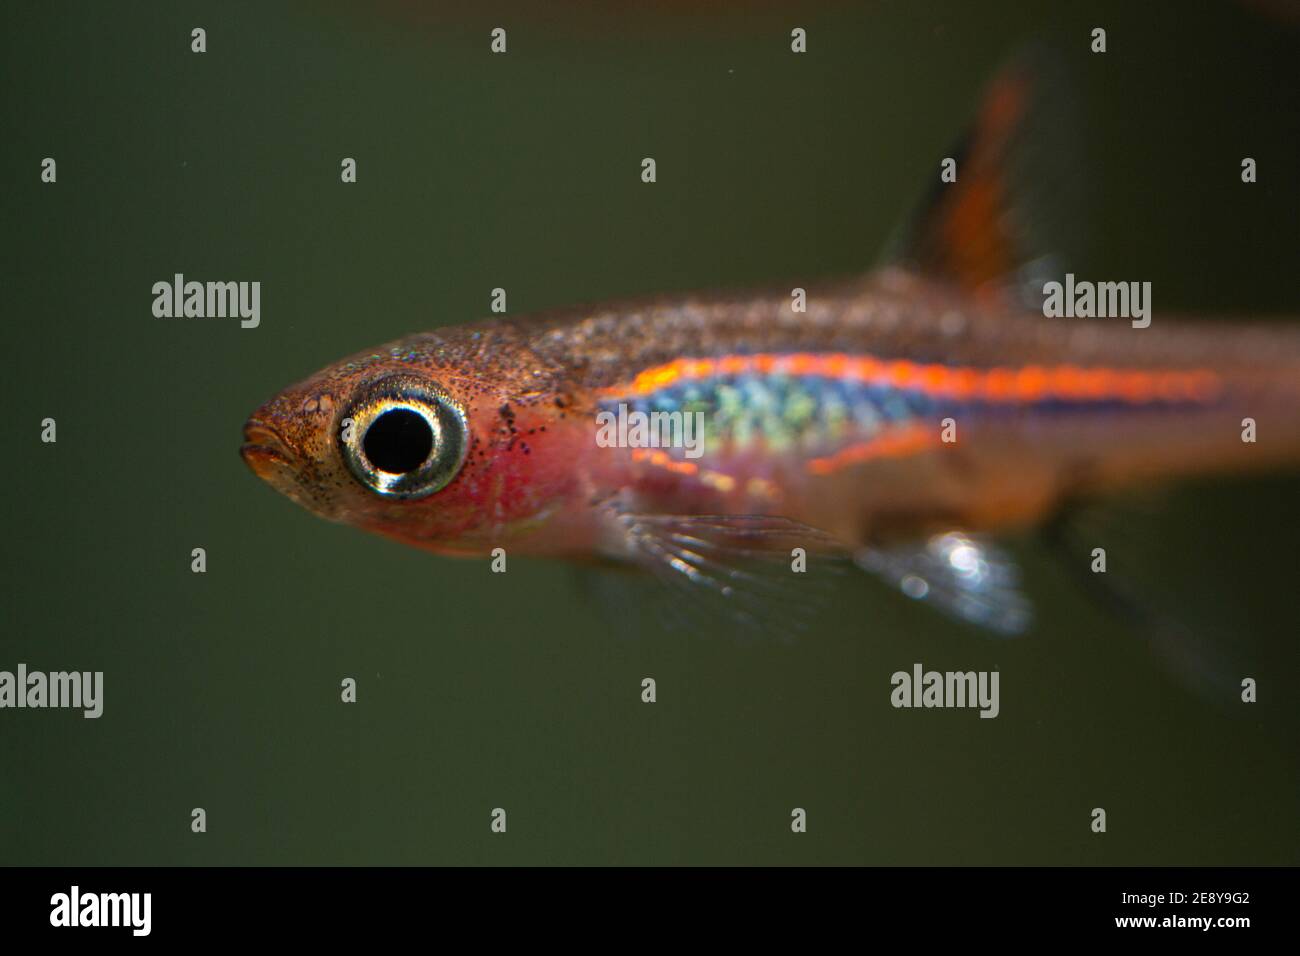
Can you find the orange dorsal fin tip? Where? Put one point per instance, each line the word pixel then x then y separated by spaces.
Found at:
pixel 1013 182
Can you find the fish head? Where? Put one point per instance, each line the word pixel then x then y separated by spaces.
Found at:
pixel 454 441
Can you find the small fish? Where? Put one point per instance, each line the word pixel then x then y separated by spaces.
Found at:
pixel 903 419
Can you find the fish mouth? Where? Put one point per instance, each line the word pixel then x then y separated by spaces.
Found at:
pixel 264 450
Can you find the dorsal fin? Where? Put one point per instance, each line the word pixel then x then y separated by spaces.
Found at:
pixel 1002 226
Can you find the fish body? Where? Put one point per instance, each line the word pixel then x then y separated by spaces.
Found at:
pixel 832 417
pixel 901 417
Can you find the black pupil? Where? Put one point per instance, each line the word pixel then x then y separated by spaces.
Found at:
pixel 398 441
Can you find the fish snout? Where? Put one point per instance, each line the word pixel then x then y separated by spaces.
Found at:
pixel 264 450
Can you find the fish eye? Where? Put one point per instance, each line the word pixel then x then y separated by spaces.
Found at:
pixel 404 438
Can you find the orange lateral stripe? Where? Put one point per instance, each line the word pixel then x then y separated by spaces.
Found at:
pixel 663 460
pixel 659 459
pixel 894 443
pixel 1030 383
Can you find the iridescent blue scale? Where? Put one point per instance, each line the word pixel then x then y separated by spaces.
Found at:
pixel 785 411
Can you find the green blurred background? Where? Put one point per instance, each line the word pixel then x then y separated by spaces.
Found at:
pixel 522 171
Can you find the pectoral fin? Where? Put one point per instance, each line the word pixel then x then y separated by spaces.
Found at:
pixel 764 575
